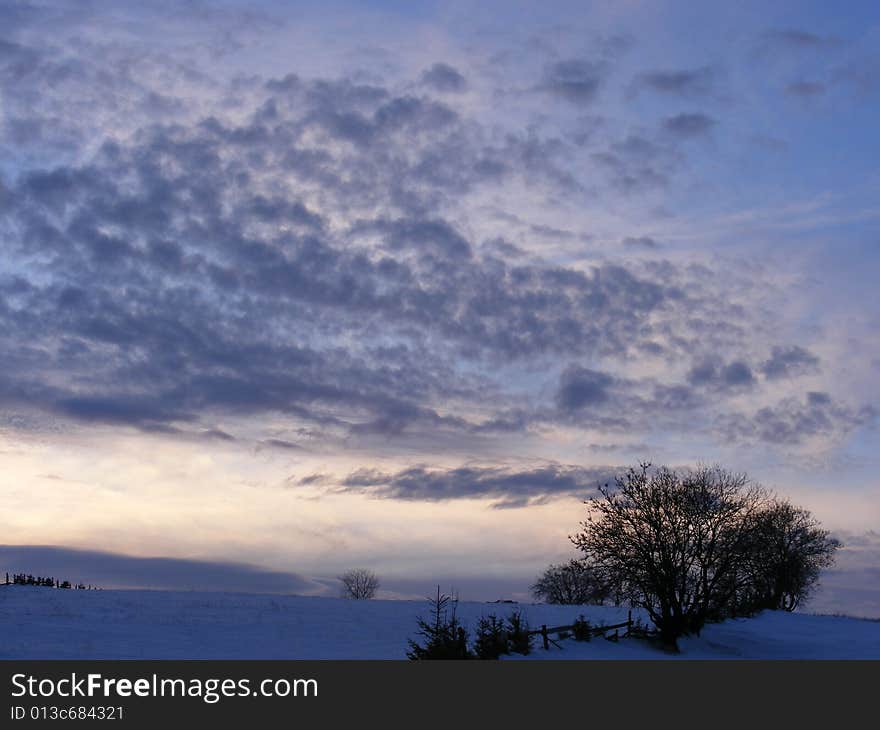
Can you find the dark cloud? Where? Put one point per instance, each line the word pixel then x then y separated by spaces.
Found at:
pixel 798 40
pixel 640 242
pixel 791 421
pixel 120 409
pixel 112 570
pixel 444 78
pixel 281 444
pixel 202 280
pixel 637 164
pixel 805 89
pixel 552 232
pixel 574 80
pixel 582 388
pixel 511 487
pixel 689 124
pixel 714 373
pixel 313 479
pixel 434 235
pixel 786 362
pixel 683 82
pixel 305 255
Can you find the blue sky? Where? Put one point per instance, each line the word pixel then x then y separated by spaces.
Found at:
pixel 304 286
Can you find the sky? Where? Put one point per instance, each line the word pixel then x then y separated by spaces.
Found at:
pixel 290 288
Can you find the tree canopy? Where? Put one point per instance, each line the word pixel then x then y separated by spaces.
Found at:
pixel 700 545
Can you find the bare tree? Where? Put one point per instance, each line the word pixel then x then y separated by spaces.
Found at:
pixel 788 551
pixel 359 584
pixel 672 543
pixel 700 546
pixel 573 583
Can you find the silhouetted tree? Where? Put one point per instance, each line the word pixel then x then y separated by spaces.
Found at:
pixel 443 635
pixel 573 583
pixel 787 552
pixel 700 546
pixel 359 584
pixel 672 543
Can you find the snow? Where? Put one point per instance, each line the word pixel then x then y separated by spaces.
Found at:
pixel 46 623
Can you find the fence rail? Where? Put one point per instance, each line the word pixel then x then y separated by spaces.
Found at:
pixel 545 630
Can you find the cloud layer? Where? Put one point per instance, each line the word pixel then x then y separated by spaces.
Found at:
pixel 412 261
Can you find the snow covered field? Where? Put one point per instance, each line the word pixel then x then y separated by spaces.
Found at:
pixel 45 623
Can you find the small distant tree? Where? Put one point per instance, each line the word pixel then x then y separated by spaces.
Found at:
pixel 359 584
pixel 573 583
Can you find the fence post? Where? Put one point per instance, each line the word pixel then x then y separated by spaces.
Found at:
pixel 629 622
pixel 545 637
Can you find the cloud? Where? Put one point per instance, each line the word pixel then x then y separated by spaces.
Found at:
pixel 444 78
pixel 794 39
pixel 308 249
pixel 787 362
pixel 580 388
pixel 805 89
pixel 640 242
pixel 681 82
pixel 434 235
pixel 113 570
pixel 281 444
pixel 637 164
pixel 131 220
pixel 792 421
pixel 120 409
pixel 687 125
pixel 313 479
pixel 714 373
pixel 510 486
pixel 574 80
pixel 216 433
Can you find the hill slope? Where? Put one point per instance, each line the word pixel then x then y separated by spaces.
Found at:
pixel 44 623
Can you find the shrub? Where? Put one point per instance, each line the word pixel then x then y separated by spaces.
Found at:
pixel 443 636
pixel 583 631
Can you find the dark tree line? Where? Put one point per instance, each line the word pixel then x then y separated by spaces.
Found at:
pixel 26 579
pixel 698 546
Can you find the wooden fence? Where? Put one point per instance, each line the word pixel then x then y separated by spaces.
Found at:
pixel 631 630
